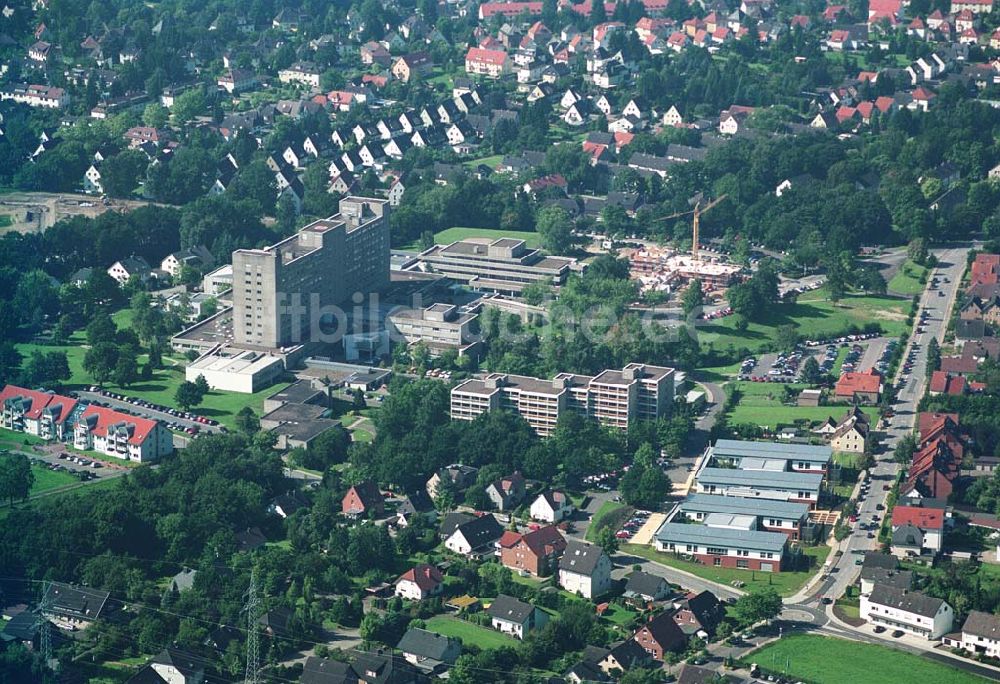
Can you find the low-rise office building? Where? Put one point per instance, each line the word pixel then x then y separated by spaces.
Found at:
pixel 735 545
pixel 439 327
pixel 761 484
pixel 908 611
pixel 614 398
pixel 771 456
pixel 505 265
pixel 787 517
pixel 236 370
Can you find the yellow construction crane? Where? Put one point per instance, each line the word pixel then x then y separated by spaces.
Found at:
pixel 697 212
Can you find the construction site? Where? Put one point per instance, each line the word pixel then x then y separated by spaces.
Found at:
pixel 664 269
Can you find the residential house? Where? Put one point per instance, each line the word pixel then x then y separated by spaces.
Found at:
pixel 413 64
pixel 851 433
pixel 363 499
pixel 514 617
pixel 585 569
pixel 475 537
pixel 506 493
pixel 420 582
pixel 429 651
pixel 552 506
pixel 173 666
pixel 908 611
pixel 859 387
pixel 197 257
pixel 72 606
pixel 128 267
pixel 917 530
pixel 534 552
pixel 488 63
pixel 979 636
pixel 643 589
pixel 304 73
pixel 660 636
pixel 459 476
pixel 699 613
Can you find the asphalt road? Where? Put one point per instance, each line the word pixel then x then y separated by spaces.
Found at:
pixel 145 412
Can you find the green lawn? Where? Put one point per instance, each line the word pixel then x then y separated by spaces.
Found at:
pixel 762 403
pixel 609 513
pixel 450 235
pixel 826 660
pixel 16 441
pixel 813 315
pixel 785 583
pixel 6 220
pixel 46 479
pixel 907 279
pixel 470 634
pixel 491 161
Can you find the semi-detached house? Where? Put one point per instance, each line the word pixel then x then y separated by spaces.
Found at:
pixel 908 611
pixel 980 635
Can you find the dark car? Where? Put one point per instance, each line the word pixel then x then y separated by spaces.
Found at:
pixel 879 629
pixel 897 633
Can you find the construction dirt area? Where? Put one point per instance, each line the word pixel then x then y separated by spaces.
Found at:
pixel 36 212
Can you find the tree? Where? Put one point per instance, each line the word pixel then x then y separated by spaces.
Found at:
pixel 607 540
pixel 155 115
pixel 757 606
pixel 202 384
pixel 45 369
pixel 786 337
pixel 188 105
pixel 811 372
pixel 933 356
pixel 247 421
pixel 187 395
pixel 126 369
pixel 101 360
pixel 693 297
pixel 16 477
pixel 101 329
pixel 555 228
pixel 358 403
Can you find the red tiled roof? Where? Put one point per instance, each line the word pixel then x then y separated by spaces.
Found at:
pixel 105 419
pixel 425 576
pixel 922 93
pixel 482 55
pixel 947 384
pixel 929 422
pixel 38 401
pixel 851 383
pixel 924 518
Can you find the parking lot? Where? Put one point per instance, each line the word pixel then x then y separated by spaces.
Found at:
pixel 787 367
pixel 175 419
pixel 636 526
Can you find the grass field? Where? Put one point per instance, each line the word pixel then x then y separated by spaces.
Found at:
pixel 6 220
pixel 785 583
pixel 907 279
pixel 762 404
pixel 469 633
pixel 46 479
pixel 610 513
pixel 492 161
pixel 825 660
pixel 813 315
pixel 449 235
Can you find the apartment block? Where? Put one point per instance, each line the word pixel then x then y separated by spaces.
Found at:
pixel 614 398
pixel 45 415
pixel 439 326
pixel 122 435
pixel 278 291
pixel 505 265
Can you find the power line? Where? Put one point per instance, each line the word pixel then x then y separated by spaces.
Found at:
pixel 253 633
